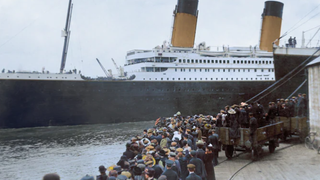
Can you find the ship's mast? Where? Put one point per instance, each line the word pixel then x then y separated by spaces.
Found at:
pixel 66 34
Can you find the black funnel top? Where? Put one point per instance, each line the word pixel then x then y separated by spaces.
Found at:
pixel 273 8
pixel 188 6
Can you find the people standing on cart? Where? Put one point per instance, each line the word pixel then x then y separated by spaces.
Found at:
pixel 243 118
pixel 259 113
pixel 253 129
pixel 271 113
pixel 234 133
pixel 291 107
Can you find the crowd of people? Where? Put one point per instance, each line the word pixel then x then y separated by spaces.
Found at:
pixel 187 148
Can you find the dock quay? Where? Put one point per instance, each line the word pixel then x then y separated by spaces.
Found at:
pixel 292 160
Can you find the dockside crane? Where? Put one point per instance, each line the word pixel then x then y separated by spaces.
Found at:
pixel 108 74
pixel 120 70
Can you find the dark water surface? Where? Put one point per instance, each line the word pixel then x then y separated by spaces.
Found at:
pixel 70 151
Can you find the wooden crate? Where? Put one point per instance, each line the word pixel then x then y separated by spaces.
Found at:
pixel 299 125
pixel 244 136
pixel 224 135
pixel 286 123
pixel 270 131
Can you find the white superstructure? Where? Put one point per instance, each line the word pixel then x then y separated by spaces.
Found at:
pixel 188 64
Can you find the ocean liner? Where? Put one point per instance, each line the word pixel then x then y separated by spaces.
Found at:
pixel 157 82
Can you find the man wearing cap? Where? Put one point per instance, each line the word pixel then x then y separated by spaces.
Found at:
pixel 200 169
pixel 171 174
pixel 214 141
pixel 176 164
pixel 149 173
pixel 200 151
pixel 103 175
pixel 272 113
pixel 183 161
pixel 192 175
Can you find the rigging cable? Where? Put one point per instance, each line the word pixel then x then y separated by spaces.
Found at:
pixel 283 78
pixel 297 88
pixel 298 22
pixel 12 37
pixel 306 21
pixel 312 37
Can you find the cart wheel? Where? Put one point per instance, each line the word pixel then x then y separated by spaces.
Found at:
pixel 254 154
pixel 229 151
pixel 272 146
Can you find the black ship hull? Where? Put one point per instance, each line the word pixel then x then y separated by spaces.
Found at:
pixel 285 63
pixel 30 103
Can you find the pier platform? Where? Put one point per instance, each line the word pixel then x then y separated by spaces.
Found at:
pixel 289 161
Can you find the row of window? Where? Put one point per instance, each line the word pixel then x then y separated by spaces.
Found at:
pixel 47 77
pixel 153 69
pixel 206 79
pixel 222 70
pixel 224 61
pixel 153 59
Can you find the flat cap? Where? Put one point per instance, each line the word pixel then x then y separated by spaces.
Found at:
pixel 169 163
pixel 191 166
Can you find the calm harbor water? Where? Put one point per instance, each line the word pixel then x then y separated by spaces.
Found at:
pixel 70 151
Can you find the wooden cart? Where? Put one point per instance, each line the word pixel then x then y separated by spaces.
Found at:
pixel 264 136
pixel 294 126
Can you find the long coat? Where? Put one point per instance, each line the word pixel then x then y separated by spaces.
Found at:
pixel 200 168
pixel 209 165
pixel 171 174
pixel 193 176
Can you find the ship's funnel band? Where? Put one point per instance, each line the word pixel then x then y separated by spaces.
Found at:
pixel 184 30
pixel 271 29
pixel 273 8
pixel 188 7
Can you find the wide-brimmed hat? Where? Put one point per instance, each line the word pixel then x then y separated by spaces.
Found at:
pixel 231 111
pixel 200 142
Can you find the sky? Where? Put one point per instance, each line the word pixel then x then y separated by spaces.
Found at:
pixel 30 30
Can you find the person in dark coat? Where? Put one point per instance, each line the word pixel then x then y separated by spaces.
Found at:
pixel 219 120
pixel 122 160
pixel 200 169
pixel 130 154
pixel 253 128
pixel 103 175
pixel 157 171
pixel 171 174
pixel 213 139
pixel 234 131
pixel 272 113
pixel 243 119
pixel 259 113
pixel 183 161
pixel 208 162
pixel 200 151
pixel 192 174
